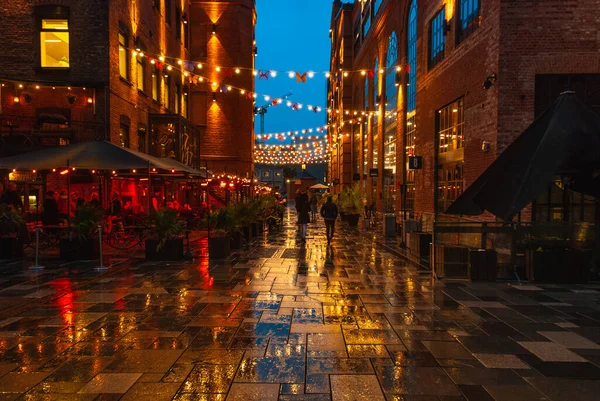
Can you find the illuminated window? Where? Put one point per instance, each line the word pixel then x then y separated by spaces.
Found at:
pixel 168 11
pixel 54 43
pixel 184 103
pixel 469 18
pixel 167 92
pixel 122 55
pixel 124 135
pixel 141 75
pixel 410 140
pixel 154 83
pixel 450 123
pixel 437 38
pixel 412 58
pixel 177 97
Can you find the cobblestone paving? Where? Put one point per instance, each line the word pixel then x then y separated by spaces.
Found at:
pixel 281 321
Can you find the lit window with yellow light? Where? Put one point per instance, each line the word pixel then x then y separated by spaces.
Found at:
pixel 54 43
pixel 122 55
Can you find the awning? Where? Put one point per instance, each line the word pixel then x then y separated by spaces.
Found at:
pixel 92 155
pixel 564 141
pixel 319 186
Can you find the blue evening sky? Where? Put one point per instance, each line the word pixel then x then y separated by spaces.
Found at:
pixel 293 35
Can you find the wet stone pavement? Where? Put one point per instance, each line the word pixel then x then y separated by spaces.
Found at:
pixel 281 321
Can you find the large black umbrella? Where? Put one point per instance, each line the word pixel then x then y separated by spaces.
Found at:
pixel 98 155
pixel 563 141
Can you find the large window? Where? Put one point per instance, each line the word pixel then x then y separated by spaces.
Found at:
pixel 184 103
pixel 154 83
pixel 468 18
pixel 412 58
pixel 437 38
pixel 375 132
pixel 123 55
pixel 450 123
pixel 54 43
pixel 376 5
pixel 390 120
pixel 177 23
pixel 410 140
pixel 140 73
pixel 367 93
pixel 142 138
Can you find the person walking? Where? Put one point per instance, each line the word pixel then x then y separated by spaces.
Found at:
pixel 314 203
pixel 329 212
pixel 303 208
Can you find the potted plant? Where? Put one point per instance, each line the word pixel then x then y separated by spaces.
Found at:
pixel 167 240
pixel 351 200
pixel 221 226
pixel 81 243
pixel 271 211
pixel 242 218
pixel 13 232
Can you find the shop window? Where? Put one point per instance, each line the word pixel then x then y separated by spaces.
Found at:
pixel 54 43
pixel 450 123
pixel 154 83
pixel 141 73
pixel 123 54
pixel 437 38
pixel 450 184
pixel 412 58
pixel 469 18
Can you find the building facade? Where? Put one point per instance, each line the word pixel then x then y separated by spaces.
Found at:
pixel 444 86
pixel 123 71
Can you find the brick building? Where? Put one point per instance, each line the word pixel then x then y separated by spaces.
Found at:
pixel 86 69
pixel 452 83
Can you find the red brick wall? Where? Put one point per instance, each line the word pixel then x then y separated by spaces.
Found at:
pixel 228 139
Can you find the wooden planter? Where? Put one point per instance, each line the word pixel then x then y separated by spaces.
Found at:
pixel 254 227
pixel 236 240
pixel 247 233
pixel 559 265
pixel 76 249
pixel 11 247
pixel 451 261
pixel 219 247
pixel 483 265
pixel 172 250
pixel 353 219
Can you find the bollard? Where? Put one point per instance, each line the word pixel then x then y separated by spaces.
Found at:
pixel 101 267
pixel 37 249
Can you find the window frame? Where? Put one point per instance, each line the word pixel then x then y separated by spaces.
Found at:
pixel 154 83
pixel 50 12
pixel 125 49
pixel 411 42
pixel 125 139
pixel 140 65
pixel 473 19
pixel 167 91
pixel 437 38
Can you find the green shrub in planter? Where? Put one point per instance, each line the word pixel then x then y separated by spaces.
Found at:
pixel 221 226
pixel 167 240
pixel 13 233
pixel 82 241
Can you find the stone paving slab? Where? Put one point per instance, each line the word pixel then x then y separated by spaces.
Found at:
pixel 286 321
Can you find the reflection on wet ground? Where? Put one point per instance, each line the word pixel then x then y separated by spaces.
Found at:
pixel 282 321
